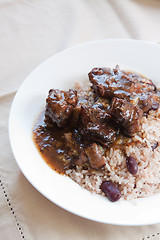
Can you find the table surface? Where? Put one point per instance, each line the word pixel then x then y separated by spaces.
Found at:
pixel 30 32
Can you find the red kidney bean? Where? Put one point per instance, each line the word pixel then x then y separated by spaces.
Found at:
pixel 155 105
pixel 132 165
pixel 154 146
pixel 111 191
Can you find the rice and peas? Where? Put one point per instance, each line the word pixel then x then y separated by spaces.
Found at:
pixel 142 145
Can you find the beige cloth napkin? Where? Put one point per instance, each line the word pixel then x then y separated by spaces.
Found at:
pixel 30 32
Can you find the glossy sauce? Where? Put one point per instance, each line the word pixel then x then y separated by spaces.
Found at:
pixel 51 145
pixel 60 154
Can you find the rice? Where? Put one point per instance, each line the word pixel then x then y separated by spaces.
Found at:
pixel 146 181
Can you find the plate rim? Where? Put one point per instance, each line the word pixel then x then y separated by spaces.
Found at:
pixel 14 100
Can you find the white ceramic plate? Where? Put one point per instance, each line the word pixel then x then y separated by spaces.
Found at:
pixel 60 71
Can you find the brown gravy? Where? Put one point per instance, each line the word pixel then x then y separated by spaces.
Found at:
pixel 45 142
pixel 52 146
pixel 100 121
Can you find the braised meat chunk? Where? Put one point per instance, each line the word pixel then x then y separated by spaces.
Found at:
pixel 111 83
pixel 60 105
pixel 126 115
pixel 94 126
pixel 96 160
pixel 148 101
pixel 91 156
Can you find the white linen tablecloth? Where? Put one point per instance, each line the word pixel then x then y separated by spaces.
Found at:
pixel 30 32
